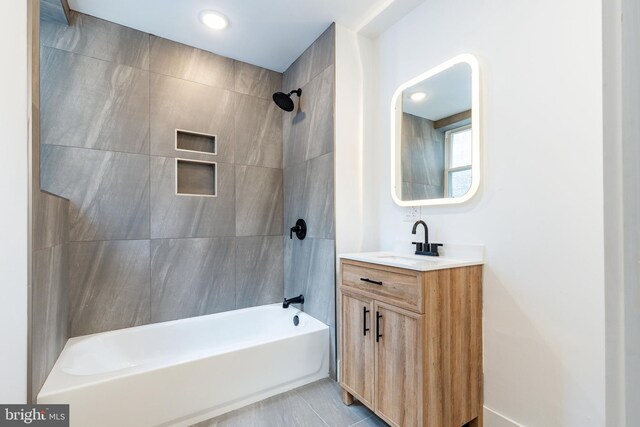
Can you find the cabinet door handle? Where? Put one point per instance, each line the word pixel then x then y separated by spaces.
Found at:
pixel 364 321
pixel 378 334
pixel 366 279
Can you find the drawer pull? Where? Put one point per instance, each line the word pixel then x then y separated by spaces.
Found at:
pixel 375 282
pixel 364 321
pixel 378 334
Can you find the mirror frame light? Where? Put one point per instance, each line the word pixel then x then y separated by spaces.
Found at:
pixel 475 133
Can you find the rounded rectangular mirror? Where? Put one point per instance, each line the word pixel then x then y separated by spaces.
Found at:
pixel 435 135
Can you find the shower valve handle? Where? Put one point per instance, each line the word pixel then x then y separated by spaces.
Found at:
pixel 300 229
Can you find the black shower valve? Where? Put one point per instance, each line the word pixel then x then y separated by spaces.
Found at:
pixel 300 229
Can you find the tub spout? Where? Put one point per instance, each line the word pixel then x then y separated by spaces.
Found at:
pixel 295 300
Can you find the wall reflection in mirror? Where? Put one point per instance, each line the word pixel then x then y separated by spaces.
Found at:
pixel 434 135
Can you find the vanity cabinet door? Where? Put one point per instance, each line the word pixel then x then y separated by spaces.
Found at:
pixel 357 361
pixel 398 360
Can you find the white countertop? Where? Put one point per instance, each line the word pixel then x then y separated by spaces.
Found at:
pixel 412 262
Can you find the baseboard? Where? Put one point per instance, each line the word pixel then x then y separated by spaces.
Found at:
pixel 495 419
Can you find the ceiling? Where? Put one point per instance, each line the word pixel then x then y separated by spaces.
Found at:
pixel 267 33
pixel 448 93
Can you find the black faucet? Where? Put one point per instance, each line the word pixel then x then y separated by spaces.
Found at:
pixel 295 300
pixel 426 248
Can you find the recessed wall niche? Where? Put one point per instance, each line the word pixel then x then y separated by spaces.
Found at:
pixel 196 178
pixel 196 142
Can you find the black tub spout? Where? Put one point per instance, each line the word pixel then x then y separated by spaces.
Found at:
pixel 295 300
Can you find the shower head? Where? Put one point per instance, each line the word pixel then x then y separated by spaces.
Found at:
pixel 284 101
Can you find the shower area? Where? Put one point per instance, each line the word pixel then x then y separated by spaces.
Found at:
pixel 171 183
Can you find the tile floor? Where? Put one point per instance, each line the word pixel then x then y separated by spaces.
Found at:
pixel 317 404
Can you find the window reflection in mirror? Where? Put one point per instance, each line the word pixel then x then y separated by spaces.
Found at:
pixel 458 161
pixel 433 136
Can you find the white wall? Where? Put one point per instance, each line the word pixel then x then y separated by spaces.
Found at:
pixel 356 230
pixel 349 138
pixel 539 211
pixel 14 115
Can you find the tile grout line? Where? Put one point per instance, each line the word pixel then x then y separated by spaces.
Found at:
pixel 158 73
pixel 96 149
pixel 149 188
pixel 310 407
pixel 178 238
pixel 84 55
pixel 102 150
pixel 361 421
pixel 302 162
pixel 235 193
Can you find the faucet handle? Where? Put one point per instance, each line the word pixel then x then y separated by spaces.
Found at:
pixel 419 246
pixel 433 248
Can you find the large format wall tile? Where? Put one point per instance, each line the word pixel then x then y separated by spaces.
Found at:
pixel 50 220
pixel 52 10
pixel 190 216
pixel 258 201
pixel 192 277
pixel 113 99
pixel 99 39
pixel 109 192
pixel 309 194
pixel 91 103
pixel 423 147
pixel 295 197
pixel 309 269
pixel 109 285
pixel 312 62
pixel 259 270
pixel 179 104
pixel 414 191
pixel 308 144
pixel 49 310
pixel 319 193
pixel 256 81
pixel 258 132
pixel 188 63
pixel 308 133
pixel 35 140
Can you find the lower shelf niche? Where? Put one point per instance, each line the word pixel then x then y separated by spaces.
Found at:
pixel 195 178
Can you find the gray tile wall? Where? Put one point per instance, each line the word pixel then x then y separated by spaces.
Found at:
pixel 184 268
pixel 112 98
pixel 309 181
pixel 90 103
pixel 49 290
pixel 422 145
pixel 54 10
pixel 109 285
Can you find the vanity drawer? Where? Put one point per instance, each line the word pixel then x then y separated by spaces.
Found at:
pixel 397 286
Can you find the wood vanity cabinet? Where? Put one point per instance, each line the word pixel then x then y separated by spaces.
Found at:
pixel 411 343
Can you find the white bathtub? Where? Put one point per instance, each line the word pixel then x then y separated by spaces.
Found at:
pixel 185 371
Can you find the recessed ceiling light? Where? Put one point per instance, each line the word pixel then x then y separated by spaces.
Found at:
pixel 214 20
pixel 418 96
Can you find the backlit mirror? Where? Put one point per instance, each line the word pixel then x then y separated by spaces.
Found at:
pixel 435 149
